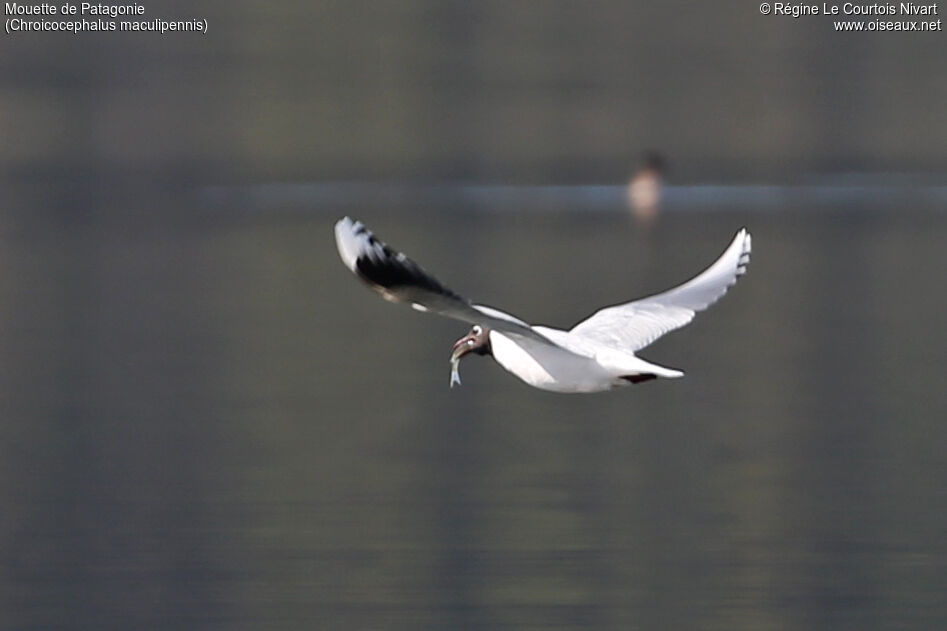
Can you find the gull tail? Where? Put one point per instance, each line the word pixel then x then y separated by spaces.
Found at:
pixel 636 370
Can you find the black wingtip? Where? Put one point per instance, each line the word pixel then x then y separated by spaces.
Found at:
pixel 380 265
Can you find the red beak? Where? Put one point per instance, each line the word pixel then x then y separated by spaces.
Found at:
pixel 460 348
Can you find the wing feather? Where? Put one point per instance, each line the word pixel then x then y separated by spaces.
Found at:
pixel 399 279
pixel 632 326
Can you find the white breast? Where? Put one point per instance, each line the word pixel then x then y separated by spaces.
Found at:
pixel 549 367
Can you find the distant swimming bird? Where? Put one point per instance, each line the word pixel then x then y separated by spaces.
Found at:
pixel 646 188
pixel 596 354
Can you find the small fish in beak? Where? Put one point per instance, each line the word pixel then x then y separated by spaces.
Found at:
pixel 477 341
pixel 454 372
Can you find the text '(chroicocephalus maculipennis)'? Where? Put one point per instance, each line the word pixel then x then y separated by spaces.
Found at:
pixel 596 354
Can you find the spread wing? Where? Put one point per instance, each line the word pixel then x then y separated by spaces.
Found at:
pixel 632 326
pixel 399 279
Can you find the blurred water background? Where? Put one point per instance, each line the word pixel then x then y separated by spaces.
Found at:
pixel 207 423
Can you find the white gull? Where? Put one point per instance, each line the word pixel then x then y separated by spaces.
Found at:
pixel 596 354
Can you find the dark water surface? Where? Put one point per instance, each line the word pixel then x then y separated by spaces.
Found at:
pixel 207 423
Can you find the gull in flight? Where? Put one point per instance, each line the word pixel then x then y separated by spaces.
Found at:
pixel 596 354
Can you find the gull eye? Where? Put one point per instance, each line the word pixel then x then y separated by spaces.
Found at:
pixel 477 330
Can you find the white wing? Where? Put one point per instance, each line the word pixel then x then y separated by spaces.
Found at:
pixel 632 326
pixel 399 279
